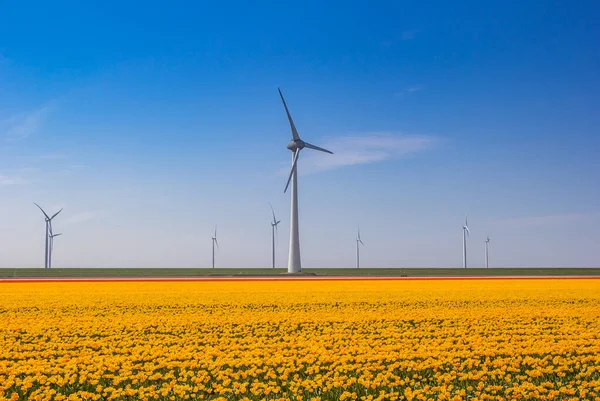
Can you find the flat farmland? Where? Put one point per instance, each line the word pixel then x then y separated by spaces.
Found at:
pixel 521 339
pixel 365 272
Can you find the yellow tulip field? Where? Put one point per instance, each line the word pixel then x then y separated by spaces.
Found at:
pixel 518 339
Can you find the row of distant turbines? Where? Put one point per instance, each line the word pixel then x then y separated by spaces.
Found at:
pixel 359 243
pixel 49 241
pixel 294 260
pixel 466 233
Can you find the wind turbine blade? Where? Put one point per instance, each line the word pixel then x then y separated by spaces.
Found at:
pixel 273 211
pixel 56 214
pixel 308 145
pixel 216 242
pixel 294 132
pixel 42 210
pixel 278 221
pixel 468 231
pixel 359 240
pixel 296 154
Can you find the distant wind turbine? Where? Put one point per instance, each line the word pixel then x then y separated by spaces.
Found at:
pixel 51 246
pixel 47 236
pixel 296 145
pixel 273 232
pixel 487 254
pixel 358 240
pixel 214 241
pixel 465 234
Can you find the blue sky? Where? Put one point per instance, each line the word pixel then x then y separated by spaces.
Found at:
pixel 150 122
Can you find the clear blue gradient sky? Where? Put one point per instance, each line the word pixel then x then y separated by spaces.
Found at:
pixel 150 122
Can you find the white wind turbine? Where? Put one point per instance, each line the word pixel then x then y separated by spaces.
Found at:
pixel 465 234
pixel 296 145
pixel 487 254
pixel 214 241
pixel 51 246
pixel 48 233
pixel 273 232
pixel 358 241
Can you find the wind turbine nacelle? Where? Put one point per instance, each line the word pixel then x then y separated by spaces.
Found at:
pixel 294 145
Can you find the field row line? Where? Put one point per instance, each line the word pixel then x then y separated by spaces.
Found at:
pixel 290 278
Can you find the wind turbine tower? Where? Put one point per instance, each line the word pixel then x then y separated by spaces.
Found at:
pixel 487 253
pixel 358 241
pixel 51 246
pixel 273 232
pixel 214 241
pixel 465 235
pixel 296 145
pixel 47 236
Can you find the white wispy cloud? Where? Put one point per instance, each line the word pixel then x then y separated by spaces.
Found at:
pixel 398 38
pixel 23 125
pixel 542 221
pixel 361 149
pixel 409 90
pixel 82 217
pixel 52 156
pixel 6 180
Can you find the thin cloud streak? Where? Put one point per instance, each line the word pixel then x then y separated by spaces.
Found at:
pixel 82 217
pixel 365 149
pixel 409 90
pixel 403 37
pixel 52 156
pixel 6 180
pixel 543 221
pixel 24 125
